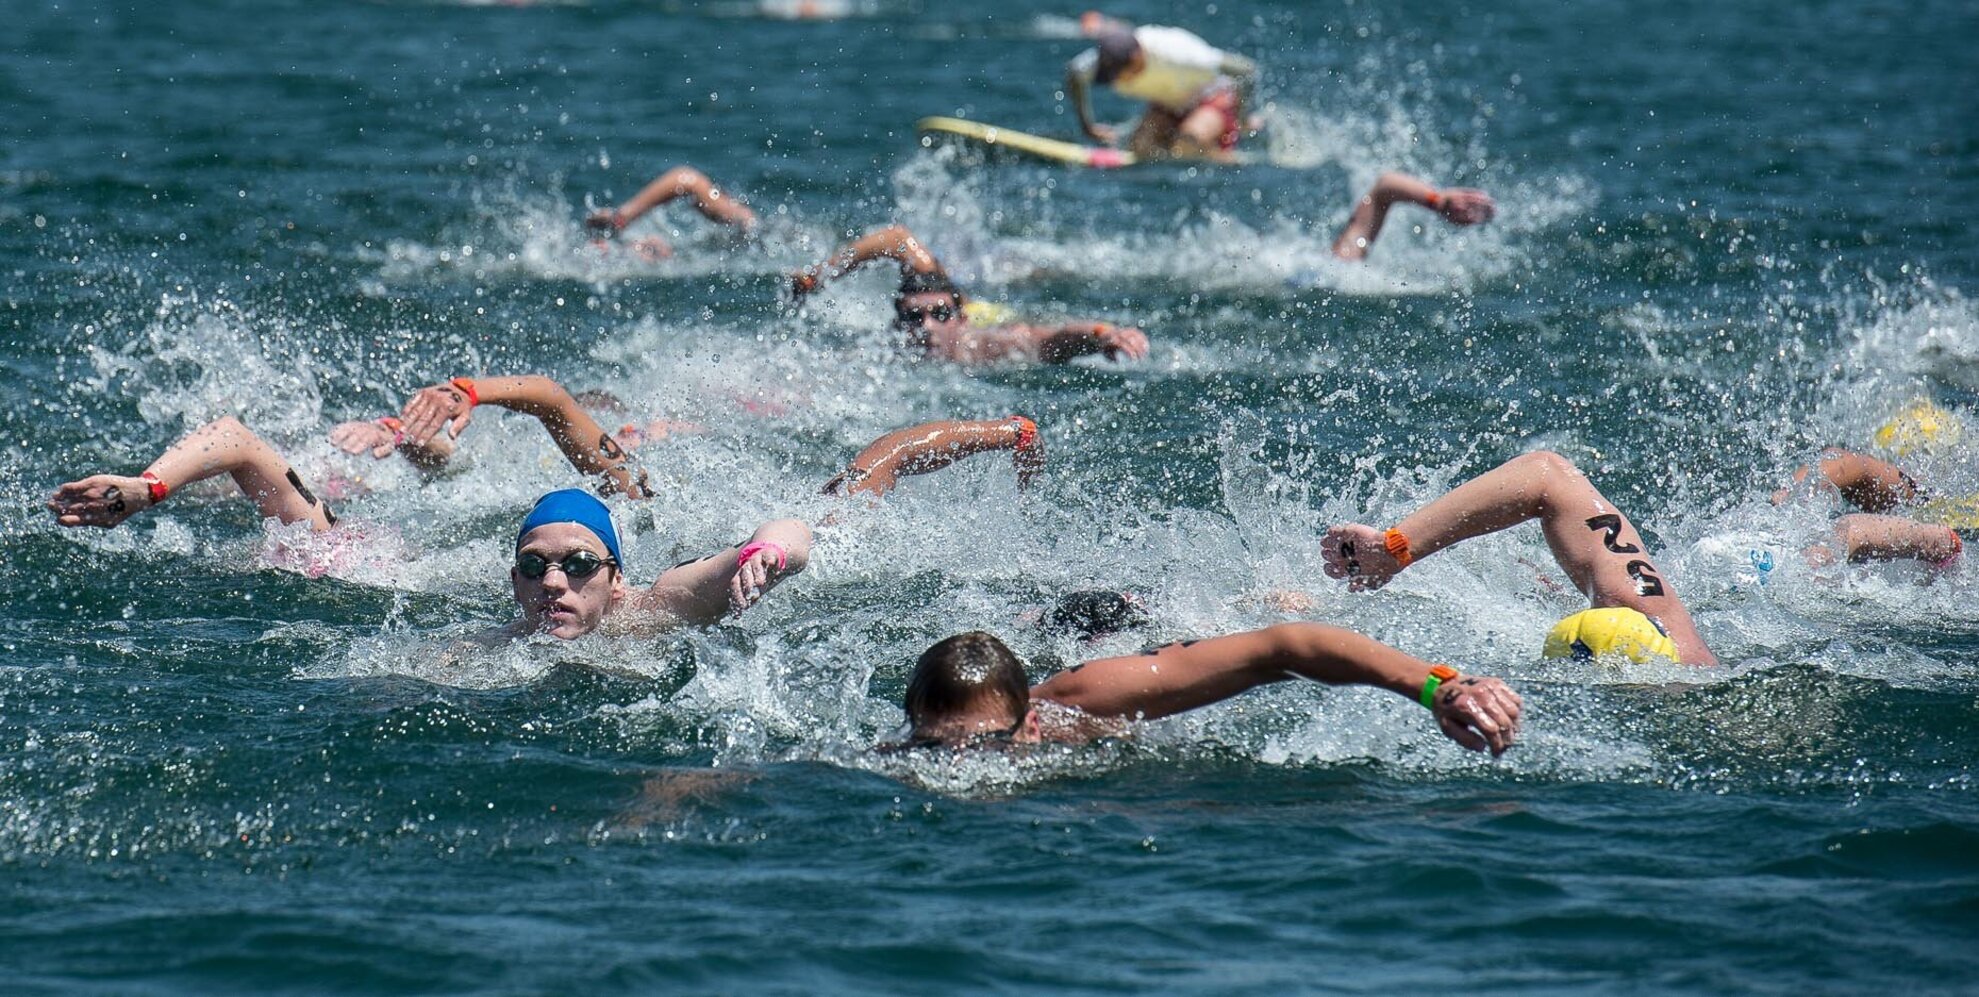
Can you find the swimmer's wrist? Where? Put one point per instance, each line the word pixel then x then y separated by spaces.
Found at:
pixel 1397 543
pixel 1433 200
pixel 1026 433
pixel 754 547
pixel 155 486
pixel 465 386
pixel 1438 674
pixel 396 427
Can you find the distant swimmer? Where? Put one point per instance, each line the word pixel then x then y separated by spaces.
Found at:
pixel 682 181
pixel 932 446
pixel 971 690
pixel 1635 609
pixel 1456 205
pixel 937 318
pixel 1196 94
pixel 1901 519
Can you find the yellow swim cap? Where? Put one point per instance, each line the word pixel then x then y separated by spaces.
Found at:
pixel 1920 426
pixel 1592 633
pixel 1961 513
pixel 988 313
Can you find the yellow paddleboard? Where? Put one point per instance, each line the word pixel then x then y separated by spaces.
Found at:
pixel 1069 153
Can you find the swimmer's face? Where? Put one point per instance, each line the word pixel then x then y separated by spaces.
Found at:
pixel 558 604
pixel 987 720
pixel 930 311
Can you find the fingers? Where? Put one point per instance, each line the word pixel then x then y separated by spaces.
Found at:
pixel 751 577
pixel 459 423
pixel 1486 706
pixel 383 450
pixel 1457 732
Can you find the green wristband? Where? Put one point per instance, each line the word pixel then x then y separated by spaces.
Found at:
pixel 1437 676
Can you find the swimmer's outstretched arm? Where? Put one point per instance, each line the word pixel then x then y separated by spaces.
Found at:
pixel 1593 541
pixel 731 580
pixel 681 181
pixel 1046 344
pixel 1457 205
pixel 223 446
pixel 893 242
pixel 586 444
pixel 932 446
pixel 1478 713
pixel 1863 536
pixel 1867 483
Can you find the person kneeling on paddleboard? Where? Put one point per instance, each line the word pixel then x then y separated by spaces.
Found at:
pixel 939 320
pixel 1196 93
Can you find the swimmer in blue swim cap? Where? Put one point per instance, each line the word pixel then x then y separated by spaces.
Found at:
pixel 1594 543
pixel 938 320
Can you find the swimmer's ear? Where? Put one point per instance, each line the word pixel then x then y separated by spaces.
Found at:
pixel 1030 730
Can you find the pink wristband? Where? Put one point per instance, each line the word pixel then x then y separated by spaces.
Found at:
pixel 758 546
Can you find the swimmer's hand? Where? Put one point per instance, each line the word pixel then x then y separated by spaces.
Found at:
pixel 1123 342
pixel 100 500
pixel 752 576
pixel 1478 713
pixel 433 407
pixel 361 437
pixel 1103 134
pixel 607 221
pixel 1465 206
pixel 1360 555
pixel 803 282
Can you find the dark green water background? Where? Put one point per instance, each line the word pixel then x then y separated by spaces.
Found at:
pixel 1729 235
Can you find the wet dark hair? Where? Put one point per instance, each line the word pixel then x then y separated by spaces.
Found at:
pixel 1116 52
pixel 927 282
pixel 960 672
pixel 1092 613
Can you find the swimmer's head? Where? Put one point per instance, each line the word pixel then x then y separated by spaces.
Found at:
pixel 967 687
pixel 1119 51
pixel 566 573
pixel 1593 633
pixel 1094 613
pixel 1920 426
pixel 573 505
pixel 928 300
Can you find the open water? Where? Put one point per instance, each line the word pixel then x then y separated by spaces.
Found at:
pixel 1729 235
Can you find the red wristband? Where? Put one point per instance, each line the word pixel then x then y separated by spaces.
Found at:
pixel 1433 200
pixel 1397 543
pixel 159 489
pixel 1027 432
pixel 758 546
pixel 398 428
pixel 466 386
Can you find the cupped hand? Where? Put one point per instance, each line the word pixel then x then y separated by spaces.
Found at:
pixel 433 407
pixel 1478 713
pixel 99 500
pixel 362 437
pixel 1360 555
pixel 1466 206
pixel 752 576
pixel 1123 342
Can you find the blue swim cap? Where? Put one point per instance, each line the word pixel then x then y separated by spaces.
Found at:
pixel 574 505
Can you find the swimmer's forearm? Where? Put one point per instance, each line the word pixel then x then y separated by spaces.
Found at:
pixel 1499 499
pixel 1067 342
pixel 1077 91
pixel 924 448
pixel 587 445
pixel 893 242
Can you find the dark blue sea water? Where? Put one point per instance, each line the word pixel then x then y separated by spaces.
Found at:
pixel 1729 235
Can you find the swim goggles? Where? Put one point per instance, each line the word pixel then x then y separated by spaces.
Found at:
pixel 576 564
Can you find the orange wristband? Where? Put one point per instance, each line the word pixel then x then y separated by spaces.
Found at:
pixel 1433 200
pixel 392 423
pixel 159 489
pixel 1397 543
pixel 1027 432
pixel 466 386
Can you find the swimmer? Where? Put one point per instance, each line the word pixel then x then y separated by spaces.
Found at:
pixel 681 181
pixel 971 689
pixel 1196 94
pixel 567 577
pixel 1635 610
pixel 1934 530
pixel 1456 205
pixel 934 314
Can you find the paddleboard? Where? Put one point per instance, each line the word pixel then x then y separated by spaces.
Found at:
pixel 1069 153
